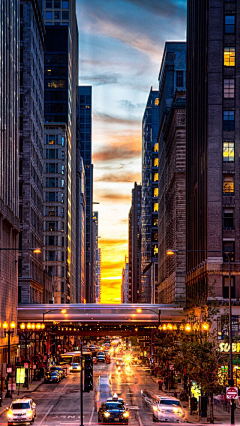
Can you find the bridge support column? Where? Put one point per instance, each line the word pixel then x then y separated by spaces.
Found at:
pixel 152 349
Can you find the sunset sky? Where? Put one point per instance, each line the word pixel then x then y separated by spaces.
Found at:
pixel 120 46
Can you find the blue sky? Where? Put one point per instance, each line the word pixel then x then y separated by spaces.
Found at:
pixel 120 49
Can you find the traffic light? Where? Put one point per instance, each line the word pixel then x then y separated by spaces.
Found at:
pixel 88 374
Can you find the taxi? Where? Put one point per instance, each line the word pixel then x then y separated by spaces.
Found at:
pixel 21 411
pixel 113 410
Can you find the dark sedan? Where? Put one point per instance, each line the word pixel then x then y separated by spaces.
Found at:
pixel 113 411
pixel 52 377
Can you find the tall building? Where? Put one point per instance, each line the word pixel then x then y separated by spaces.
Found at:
pixel 172 77
pixel 55 207
pixel 60 98
pixel 84 136
pixel 95 257
pixel 98 281
pixel 81 230
pixel 134 248
pixel 124 289
pixel 31 137
pixel 149 206
pixel 9 136
pixel 212 166
pixel 171 287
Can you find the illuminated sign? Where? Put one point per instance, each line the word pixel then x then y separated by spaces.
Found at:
pixel 20 375
pixel 225 347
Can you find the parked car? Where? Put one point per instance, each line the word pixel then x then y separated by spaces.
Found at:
pixel 52 377
pixel 62 372
pixel 21 411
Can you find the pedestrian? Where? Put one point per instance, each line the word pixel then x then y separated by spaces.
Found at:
pixel 160 384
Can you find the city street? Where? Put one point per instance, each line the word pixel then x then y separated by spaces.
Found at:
pixel 59 404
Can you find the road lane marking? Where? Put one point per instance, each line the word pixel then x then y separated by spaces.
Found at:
pixel 139 419
pixel 46 414
pixel 91 417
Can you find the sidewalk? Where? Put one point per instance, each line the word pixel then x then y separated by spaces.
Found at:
pixel 22 392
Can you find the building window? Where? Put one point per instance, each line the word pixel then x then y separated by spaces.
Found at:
pixel 155 221
pixel 155 192
pixel 228 151
pixel 229 24
pixel 155 177
pixel 229 248
pixel 65 4
pixel 48 15
pixel 179 79
pixel 228 219
pixel 228 120
pixel 65 15
pixel 229 88
pixel 155 147
pixel 228 184
pixel 155 162
pixel 56 15
pixel 52 226
pixel 57 4
pixel 48 4
pixel 226 287
pixel 155 207
pixel 229 56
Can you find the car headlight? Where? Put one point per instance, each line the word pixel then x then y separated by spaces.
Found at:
pixel 9 413
pixel 29 413
pixel 177 410
pixel 126 414
pixel 106 414
pixel 155 408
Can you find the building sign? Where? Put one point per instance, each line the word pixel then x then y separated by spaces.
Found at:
pixel 225 347
pixel 20 375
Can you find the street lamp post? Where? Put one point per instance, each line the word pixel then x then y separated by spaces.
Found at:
pixel 8 331
pixel 81 385
pixel 171 252
pixel 139 310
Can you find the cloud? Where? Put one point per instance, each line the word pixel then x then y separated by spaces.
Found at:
pixel 101 79
pixel 130 148
pixel 129 106
pixel 112 242
pixel 113 196
pixel 120 177
pixel 111 119
pixel 163 8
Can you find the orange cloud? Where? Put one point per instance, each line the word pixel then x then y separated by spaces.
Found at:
pixel 120 177
pixel 113 196
pixel 111 292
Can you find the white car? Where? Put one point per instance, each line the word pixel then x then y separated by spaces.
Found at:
pixel 21 411
pixel 168 409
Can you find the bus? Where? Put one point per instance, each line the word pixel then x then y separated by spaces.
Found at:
pixel 70 357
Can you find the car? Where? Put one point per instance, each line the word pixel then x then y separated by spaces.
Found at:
pixel 168 409
pixel 100 357
pixel 112 411
pixel 75 367
pixel 21 411
pixel 60 370
pixel 52 377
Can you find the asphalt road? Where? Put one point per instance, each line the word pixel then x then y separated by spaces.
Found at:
pixel 59 404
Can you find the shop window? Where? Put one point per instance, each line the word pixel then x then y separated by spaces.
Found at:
pixel 229 248
pixel 228 219
pixel 229 56
pixel 228 151
pixel 228 184
pixel 226 287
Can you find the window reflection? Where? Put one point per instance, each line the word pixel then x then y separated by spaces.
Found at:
pixel 228 151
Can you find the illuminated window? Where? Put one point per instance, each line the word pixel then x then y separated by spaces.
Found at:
pixel 156 147
pixel 228 184
pixel 155 236
pixel 156 101
pixel 155 250
pixel 52 139
pixel 155 162
pixel 155 177
pixel 155 192
pixel 228 120
pixel 228 151
pixel 155 221
pixel 229 24
pixel 155 207
pixel 229 87
pixel 229 56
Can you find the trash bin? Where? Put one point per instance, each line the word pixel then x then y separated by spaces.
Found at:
pixel 203 406
pixel 194 404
